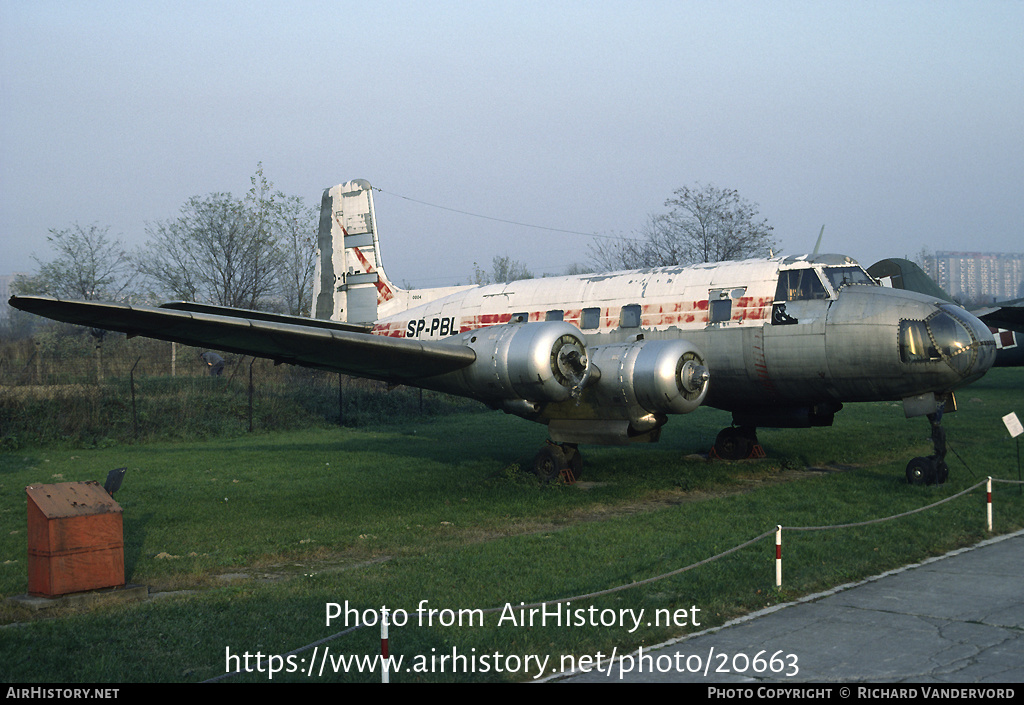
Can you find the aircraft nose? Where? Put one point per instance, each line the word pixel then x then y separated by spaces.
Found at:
pixel 965 343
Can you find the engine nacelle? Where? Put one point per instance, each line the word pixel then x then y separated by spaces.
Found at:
pixel 656 376
pixel 537 362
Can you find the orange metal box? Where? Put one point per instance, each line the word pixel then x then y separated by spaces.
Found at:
pixel 75 539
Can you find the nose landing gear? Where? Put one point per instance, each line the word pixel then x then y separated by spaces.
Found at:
pixel 933 469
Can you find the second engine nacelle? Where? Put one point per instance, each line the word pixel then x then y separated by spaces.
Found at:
pixel 537 362
pixel 657 376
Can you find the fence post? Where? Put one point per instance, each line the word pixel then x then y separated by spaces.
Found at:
pixel 250 393
pixel 135 413
pixel 778 556
pixel 385 663
pixel 341 403
pixel 988 501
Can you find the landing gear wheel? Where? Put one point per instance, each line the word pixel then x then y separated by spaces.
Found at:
pixel 735 443
pixel 924 471
pixel 549 463
pixel 555 462
pixel 933 469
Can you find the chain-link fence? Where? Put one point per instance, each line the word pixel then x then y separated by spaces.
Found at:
pixel 67 385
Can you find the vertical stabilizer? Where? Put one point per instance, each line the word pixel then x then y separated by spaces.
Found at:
pixel 350 282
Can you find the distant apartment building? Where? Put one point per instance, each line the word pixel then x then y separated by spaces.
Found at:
pixel 978 276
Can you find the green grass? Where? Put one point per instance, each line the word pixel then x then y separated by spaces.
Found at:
pixel 439 511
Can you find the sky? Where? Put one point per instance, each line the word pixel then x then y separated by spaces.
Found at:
pixel 896 125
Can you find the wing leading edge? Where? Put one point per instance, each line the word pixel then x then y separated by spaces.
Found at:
pixel 264 316
pixel 1006 314
pixel 280 338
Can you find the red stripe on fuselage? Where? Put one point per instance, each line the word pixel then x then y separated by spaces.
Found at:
pixel 391 330
pixel 747 308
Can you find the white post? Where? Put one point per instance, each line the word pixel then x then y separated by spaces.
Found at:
pixel 988 491
pixel 778 555
pixel 385 661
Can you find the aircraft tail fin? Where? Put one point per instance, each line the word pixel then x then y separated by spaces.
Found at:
pixel 904 274
pixel 350 282
pixel 817 245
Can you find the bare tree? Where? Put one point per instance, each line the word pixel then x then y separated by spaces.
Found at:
pixel 577 268
pixel 297 228
pixel 168 262
pixel 504 269
pixel 703 224
pixel 257 252
pixel 652 246
pixel 215 251
pixel 220 249
pixel 89 265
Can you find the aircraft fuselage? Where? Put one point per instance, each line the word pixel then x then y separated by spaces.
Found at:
pixel 785 340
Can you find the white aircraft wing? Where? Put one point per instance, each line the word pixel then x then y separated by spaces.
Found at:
pixel 301 341
pixel 1008 315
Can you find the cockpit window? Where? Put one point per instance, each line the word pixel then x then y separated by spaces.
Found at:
pixel 800 285
pixel 954 341
pixel 839 277
pixel 941 337
pixel 915 343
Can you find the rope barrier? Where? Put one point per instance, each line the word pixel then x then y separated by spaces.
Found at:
pixel 879 521
pixel 638 583
pixel 988 504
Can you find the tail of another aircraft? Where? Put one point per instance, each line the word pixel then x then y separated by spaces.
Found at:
pixel 904 274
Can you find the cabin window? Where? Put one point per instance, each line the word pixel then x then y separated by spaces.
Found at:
pixel 800 285
pixel 555 315
pixel 590 319
pixel 629 316
pixel 719 310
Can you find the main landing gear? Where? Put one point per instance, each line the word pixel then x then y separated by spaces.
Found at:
pixel 558 461
pixel 737 443
pixel 933 469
